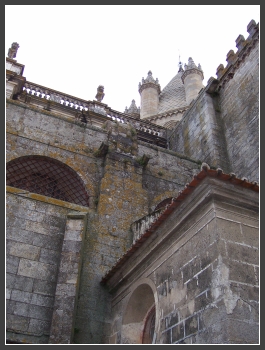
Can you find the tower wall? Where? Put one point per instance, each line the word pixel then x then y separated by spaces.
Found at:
pixel 239 109
pixel 149 102
pixel 221 126
pixel 193 84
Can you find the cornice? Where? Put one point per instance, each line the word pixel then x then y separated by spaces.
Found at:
pixel 149 85
pixel 191 71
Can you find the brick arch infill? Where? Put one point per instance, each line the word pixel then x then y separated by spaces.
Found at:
pixel 89 186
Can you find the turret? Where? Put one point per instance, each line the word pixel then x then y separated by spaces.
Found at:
pixel 149 90
pixel 192 78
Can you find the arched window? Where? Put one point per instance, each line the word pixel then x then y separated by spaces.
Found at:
pixel 48 177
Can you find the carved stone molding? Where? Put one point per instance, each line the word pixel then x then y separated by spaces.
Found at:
pixel 191 71
pixel 148 85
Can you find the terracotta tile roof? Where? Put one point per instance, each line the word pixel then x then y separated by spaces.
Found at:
pixel 205 171
pixel 173 95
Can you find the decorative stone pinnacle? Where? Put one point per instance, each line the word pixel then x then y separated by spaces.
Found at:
pixel 132 109
pixel 12 52
pixel 191 68
pixel 100 93
pixel 149 80
pixel 191 63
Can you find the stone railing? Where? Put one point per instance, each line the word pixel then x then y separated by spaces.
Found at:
pixel 75 104
pixel 140 226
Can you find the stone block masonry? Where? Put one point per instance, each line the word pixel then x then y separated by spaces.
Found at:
pixel 92 273
pixel 118 195
pixel 66 295
pixel 204 277
pixel 33 256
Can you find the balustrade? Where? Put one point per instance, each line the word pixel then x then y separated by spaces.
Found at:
pixel 82 105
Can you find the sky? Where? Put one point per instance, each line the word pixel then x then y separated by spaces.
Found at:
pixel 76 48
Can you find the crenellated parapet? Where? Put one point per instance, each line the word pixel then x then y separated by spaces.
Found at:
pixel 234 60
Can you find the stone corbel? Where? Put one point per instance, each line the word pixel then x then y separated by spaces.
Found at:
pixel 102 151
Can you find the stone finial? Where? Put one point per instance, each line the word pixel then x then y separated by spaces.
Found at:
pixel 12 52
pixel 251 27
pixel 240 41
pixel 100 93
pixel 191 65
pixel 149 78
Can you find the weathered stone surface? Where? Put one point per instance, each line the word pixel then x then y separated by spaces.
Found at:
pixel 198 282
pixel 201 263
pixel 23 250
pixel 36 269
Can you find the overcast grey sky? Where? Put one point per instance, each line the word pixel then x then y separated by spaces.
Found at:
pixel 75 48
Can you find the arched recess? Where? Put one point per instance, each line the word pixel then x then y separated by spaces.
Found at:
pixel 139 319
pixel 48 177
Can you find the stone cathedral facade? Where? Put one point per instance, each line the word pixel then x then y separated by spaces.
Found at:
pixel 135 227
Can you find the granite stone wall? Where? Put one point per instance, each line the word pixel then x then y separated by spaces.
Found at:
pixel 125 181
pixel 239 104
pixel 200 133
pixel 35 232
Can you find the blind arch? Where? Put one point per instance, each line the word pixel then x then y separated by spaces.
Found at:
pixel 48 177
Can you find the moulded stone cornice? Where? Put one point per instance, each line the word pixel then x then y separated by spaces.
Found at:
pixel 148 85
pixel 191 71
pixel 167 114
